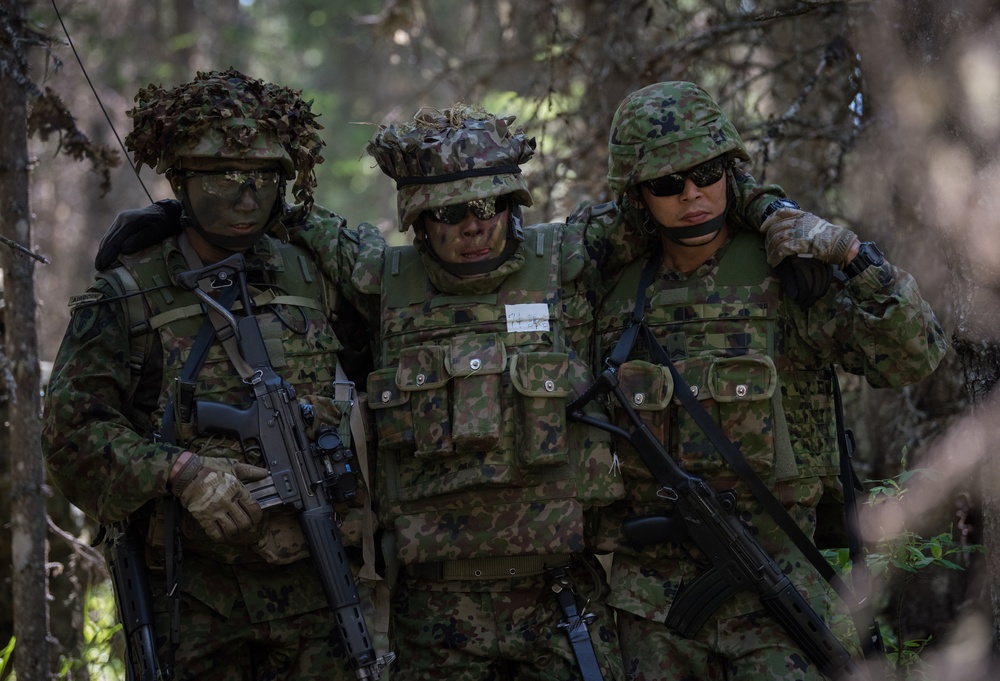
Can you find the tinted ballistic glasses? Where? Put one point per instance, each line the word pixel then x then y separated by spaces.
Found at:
pixel 702 175
pixel 230 184
pixel 484 209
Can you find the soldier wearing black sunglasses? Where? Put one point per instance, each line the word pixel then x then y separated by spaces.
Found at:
pixel 717 321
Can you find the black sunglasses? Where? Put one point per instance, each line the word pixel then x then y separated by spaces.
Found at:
pixel 702 175
pixel 484 209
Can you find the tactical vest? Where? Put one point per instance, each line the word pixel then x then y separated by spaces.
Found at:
pixel 723 332
pixel 476 454
pixel 290 302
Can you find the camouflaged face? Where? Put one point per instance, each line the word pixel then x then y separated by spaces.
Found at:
pixel 225 114
pixel 665 128
pixel 441 158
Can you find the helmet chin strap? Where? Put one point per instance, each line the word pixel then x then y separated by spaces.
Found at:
pixel 515 235
pixel 678 234
pixel 233 243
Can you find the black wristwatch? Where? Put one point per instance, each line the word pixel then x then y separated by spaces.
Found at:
pixel 868 255
pixel 775 205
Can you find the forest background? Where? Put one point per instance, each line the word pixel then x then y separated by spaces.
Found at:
pixel 883 115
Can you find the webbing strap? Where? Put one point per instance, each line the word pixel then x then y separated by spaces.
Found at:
pixel 722 444
pixel 574 623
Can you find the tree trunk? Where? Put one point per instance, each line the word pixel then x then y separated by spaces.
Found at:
pixel 21 372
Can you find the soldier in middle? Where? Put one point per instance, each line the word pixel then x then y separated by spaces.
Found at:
pixel 483 330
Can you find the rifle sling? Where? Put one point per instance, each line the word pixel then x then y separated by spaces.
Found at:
pixel 714 433
pixel 182 403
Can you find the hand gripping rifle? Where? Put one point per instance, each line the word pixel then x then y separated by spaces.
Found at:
pixel 303 476
pixel 738 561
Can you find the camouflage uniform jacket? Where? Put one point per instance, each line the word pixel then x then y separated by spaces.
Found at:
pixel 102 442
pixel 760 365
pixel 476 457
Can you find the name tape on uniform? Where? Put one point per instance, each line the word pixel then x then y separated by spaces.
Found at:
pixel 527 317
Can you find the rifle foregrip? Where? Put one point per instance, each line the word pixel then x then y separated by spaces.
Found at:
pixel 135 605
pixel 327 549
pixel 810 632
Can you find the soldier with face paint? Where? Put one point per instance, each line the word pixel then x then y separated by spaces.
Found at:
pixel 709 291
pixel 483 330
pixel 119 436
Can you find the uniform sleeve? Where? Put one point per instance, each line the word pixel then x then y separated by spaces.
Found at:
pixel 93 453
pixel 751 200
pixel 336 248
pixel 876 325
pixel 609 242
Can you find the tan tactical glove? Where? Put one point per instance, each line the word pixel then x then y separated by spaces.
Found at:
pixel 795 232
pixel 283 541
pixel 211 489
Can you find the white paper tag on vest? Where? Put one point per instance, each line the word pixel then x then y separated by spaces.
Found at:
pixel 527 317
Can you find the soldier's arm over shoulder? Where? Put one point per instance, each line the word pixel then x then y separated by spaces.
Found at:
pixel 753 200
pixel 610 243
pixel 367 274
pixel 93 451
pixel 336 249
pixel 879 326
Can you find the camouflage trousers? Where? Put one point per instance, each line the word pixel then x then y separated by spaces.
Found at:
pixel 299 647
pixel 741 640
pixel 748 646
pixel 463 630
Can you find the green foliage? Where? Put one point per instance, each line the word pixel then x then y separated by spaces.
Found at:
pixel 103 654
pixel 909 552
pixel 5 658
pixel 900 558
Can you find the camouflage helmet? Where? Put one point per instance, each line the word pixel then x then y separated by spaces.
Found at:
pixel 665 128
pixel 225 114
pixel 442 158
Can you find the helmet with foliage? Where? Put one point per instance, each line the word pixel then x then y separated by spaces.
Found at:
pixel 225 114
pixel 441 158
pixel 666 128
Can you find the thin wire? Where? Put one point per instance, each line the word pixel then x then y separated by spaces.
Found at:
pixel 99 102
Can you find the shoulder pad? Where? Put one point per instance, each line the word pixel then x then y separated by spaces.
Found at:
pixel 571 251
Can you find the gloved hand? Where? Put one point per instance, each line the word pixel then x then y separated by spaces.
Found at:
pixel 136 229
pixel 211 489
pixel 283 541
pixel 795 232
pixel 804 280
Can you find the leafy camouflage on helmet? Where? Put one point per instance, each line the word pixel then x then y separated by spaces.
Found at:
pixel 225 114
pixel 665 128
pixel 441 158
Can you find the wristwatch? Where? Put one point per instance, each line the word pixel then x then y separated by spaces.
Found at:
pixel 775 205
pixel 868 255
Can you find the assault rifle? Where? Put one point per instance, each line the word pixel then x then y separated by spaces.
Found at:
pixel 738 561
pixel 127 565
pixel 303 476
